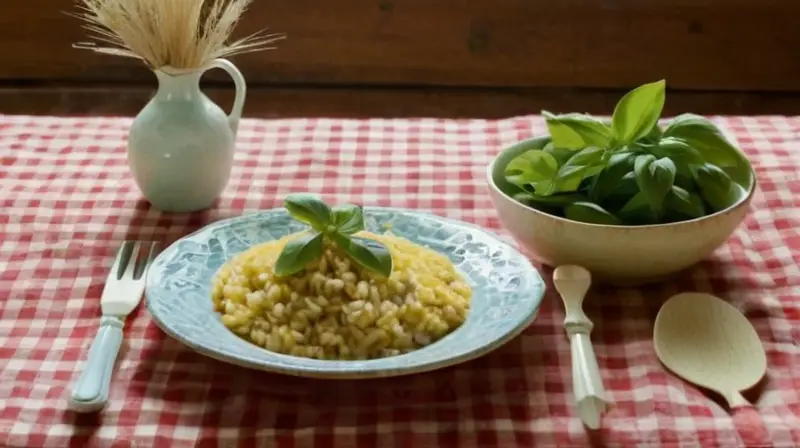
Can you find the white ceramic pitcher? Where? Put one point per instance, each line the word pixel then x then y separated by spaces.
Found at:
pixel 181 144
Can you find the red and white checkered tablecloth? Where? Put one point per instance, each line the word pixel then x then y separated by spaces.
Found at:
pixel 68 201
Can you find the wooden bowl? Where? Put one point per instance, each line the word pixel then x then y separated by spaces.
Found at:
pixel 621 255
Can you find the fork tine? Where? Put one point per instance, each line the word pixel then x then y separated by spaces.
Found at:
pixel 131 268
pixel 153 252
pixel 122 256
pixel 151 255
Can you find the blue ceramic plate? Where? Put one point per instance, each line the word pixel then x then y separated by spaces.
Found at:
pixel 507 291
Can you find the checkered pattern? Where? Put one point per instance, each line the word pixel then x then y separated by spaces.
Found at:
pixel 68 201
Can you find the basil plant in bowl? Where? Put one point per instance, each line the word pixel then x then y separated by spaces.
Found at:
pixel 628 198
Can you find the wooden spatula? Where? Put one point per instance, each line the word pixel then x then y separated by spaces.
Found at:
pixel 708 342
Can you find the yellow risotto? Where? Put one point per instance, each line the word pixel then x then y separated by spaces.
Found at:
pixel 334 309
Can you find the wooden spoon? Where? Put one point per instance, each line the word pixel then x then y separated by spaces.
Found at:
pixel 708 342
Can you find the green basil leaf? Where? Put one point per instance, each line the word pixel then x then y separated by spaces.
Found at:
pixel 655 179
pixel 716 187
pixel 638 111
pixel 591 213
pixel 642 163
pixel 663 171
pixel 637 210
pixel 678 151
pixel 577 131
pixel 555 200
pixel 348 219
pixel 637 202
pixel 624 191
pixel 586 184
pixel 298 252
pixel 686 203
pixel 585 163
pixel 568 178
pixel 531 167
pixel 685 180
pixel 547 178
pixel 523 196
pixel 703 135
pixel 619 164
pixel 309 209
pixel 589 157
pixel 545 188
pixel 370 254
pixel 560 154
pixel 654 135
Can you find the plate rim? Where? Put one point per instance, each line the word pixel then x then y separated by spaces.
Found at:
pixel 309 372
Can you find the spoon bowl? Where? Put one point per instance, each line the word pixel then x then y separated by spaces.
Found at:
pixel 708 342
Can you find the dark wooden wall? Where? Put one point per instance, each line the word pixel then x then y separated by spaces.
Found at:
pixel 440 57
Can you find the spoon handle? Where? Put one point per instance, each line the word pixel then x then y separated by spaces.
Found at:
pixel 746 419
pixel 750 426
pixel 587 385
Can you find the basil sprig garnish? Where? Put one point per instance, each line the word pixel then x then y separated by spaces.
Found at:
pixel 338 224
pixel 628 170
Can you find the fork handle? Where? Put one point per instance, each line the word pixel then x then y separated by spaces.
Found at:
pixel 90 393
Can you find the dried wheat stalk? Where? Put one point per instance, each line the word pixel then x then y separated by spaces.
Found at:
pixel 178 34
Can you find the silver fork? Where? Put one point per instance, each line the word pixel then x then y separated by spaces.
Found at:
pixel 121 294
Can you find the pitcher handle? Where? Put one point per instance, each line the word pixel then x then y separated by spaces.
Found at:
pixel 241 91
